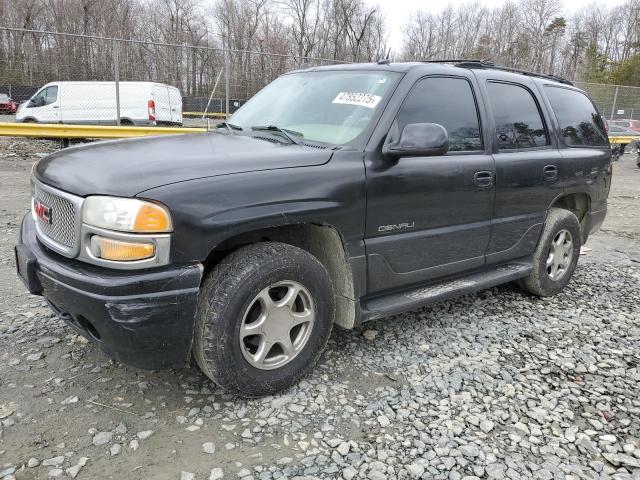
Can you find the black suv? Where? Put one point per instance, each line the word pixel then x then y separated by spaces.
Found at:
pixel 335 195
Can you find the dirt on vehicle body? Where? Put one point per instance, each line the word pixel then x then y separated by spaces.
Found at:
pixel 336 195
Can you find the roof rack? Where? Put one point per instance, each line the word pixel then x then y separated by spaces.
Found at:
pixel 475 63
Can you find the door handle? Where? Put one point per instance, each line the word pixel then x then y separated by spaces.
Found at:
pixel 483 178
pixel 550 172
pixel 56 106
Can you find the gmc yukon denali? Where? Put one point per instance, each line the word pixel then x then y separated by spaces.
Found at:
pixel 336 195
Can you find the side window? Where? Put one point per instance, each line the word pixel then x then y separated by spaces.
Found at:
pixel 44 97
pixel 37 100
pixel 518 121
pixel 50 95
pixel 449 102
pixel 580 122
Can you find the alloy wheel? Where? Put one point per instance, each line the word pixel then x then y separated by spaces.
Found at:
pixel 277 324
pixel 560 255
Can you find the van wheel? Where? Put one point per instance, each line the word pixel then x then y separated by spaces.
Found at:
pixel 556 255
pixel 264 317
pixel 29 120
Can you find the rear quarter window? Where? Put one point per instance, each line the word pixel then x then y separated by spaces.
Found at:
pixel 580 122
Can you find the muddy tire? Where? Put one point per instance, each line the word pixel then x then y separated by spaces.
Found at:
pixel 556 255
pixel 264 317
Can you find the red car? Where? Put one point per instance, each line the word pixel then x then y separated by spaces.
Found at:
pixel 628 123
pixel 7 105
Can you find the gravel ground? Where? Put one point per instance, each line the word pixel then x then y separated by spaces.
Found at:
pixel 493 385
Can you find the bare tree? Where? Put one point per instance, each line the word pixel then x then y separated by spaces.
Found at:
pixel 530 34
pixel 268 37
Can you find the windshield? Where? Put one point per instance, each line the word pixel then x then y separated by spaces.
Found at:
pixel 331 106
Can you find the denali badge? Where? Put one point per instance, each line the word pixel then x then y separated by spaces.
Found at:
pixel 42 211
pixel 398 226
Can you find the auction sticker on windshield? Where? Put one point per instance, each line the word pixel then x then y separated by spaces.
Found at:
pixel 360 99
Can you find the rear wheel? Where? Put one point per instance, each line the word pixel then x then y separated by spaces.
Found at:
pixel 556 255
pixel 264 317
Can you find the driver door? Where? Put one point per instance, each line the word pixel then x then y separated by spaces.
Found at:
pixel 429 217
pixel 44 106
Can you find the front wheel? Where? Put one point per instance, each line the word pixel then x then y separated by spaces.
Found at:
pixel 264 317
pixel 556 255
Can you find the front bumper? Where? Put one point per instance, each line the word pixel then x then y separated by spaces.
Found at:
pixel 142 318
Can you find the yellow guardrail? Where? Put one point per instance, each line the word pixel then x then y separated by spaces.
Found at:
pixel 204 114
pixel 54 130
pixel 624 138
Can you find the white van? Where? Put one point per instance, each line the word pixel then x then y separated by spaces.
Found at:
pixel 141 103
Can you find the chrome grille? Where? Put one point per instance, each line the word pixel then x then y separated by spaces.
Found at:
pixel 63 228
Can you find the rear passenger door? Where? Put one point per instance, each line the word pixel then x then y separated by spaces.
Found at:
pixel 528 164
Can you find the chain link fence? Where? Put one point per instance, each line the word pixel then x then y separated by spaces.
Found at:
pixel 101 80
pixel 615 102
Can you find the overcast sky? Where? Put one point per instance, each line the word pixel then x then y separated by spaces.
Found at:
pixel 398 11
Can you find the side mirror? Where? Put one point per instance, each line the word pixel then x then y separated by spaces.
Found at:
pixel 419 140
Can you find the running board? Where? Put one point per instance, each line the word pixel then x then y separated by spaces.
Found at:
pixel 421 296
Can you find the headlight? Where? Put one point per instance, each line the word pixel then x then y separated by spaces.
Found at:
pixel 126 215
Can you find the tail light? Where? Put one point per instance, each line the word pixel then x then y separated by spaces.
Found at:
pixel 152 111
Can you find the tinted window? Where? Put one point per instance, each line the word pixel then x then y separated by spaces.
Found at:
pixel 518 121
pixel 580 123
pixel 449 102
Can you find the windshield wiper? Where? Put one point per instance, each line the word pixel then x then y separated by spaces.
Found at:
pixel 229 126
pixel 288 134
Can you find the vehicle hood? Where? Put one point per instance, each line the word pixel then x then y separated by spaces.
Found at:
pixel 128 167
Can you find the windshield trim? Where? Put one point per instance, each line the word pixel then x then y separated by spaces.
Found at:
pixel 359 141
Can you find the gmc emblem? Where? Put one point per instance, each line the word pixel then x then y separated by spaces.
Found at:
pixel 42 211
